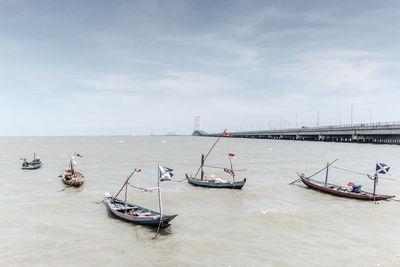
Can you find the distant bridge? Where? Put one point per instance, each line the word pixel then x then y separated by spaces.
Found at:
pixel 379 133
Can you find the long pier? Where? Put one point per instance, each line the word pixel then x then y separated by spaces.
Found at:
pixel 378 133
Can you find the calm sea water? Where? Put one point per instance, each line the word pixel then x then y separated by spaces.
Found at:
pixel 267 223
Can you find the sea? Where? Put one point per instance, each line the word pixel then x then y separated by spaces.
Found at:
pixel 267 223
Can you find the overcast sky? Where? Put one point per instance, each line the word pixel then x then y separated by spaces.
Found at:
pixel 142 67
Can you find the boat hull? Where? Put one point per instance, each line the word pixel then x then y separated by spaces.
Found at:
pixel 32 167
pixel 76 181
pixel 116 207
pixel 229 185
pixel 338 191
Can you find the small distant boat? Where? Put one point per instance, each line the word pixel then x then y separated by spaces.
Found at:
pixel 71 176
pixel 137 214
pixel 216 182
pixel 34 164
pixel 342 191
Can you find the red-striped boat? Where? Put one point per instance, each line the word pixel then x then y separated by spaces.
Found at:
pixel 341 191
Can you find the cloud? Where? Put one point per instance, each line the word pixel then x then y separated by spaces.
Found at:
pixel 342 71
pixel 193 83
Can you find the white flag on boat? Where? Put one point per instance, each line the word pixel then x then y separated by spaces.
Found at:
pixel 165 173
pixel 382 168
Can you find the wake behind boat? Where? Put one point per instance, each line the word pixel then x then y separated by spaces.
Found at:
pixel 351 190
pixel 34 164
pixel 137 214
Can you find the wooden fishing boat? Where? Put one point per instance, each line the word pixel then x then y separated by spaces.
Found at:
pixel 34 164
pixel 342 191
pixel 216 183
pixel 136 214
pixel 70 176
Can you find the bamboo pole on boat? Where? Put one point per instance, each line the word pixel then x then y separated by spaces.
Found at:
pixel 126 196
pixel 376 176
pixel 159 203
pixel 126 182
pixel 159 193
pixel 201 166
pixel 326 178
pixel 233 174
pixel 295 181
pixel 209 152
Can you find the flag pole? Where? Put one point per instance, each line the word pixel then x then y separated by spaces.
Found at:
pixel 376 175
pixel 159 193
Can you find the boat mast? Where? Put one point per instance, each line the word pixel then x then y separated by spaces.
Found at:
pixel 219 137
pixel 201 166
pixel 126 195
pixel 233 174
pixel 159 192
pixel 71 166
pixel 126 182
pixel 326 178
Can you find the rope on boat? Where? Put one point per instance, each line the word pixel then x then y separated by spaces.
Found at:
pixel 343 169
pixel 316 173
pixel 329 164
pixel 222 168
pixel 143 189
pixel 178 181
pixel 158 229
pixel 361 173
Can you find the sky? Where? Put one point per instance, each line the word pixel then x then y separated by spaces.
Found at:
pixel 149 67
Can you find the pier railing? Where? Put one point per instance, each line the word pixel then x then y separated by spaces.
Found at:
pixel 378 132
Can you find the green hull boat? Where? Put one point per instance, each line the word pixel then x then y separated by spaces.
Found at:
pixel 32 167
pixel 34 164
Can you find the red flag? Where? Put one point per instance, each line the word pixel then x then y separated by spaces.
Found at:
pixel 225 134
pixel 232 156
